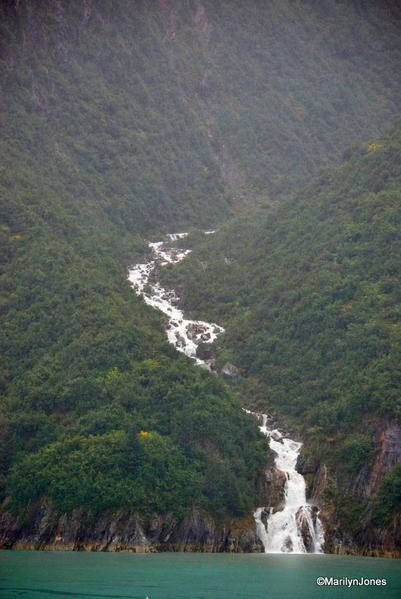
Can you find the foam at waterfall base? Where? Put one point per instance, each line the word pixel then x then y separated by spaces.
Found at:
pixel 297 527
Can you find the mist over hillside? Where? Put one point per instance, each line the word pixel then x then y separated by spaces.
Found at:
pixel 123 121
pixel 310 297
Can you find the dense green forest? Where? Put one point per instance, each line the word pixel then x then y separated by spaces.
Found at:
pixel 310 295
pixel 301 81
pixel 92 159
pixel 309 291
pixel 124 120
pixel 89 371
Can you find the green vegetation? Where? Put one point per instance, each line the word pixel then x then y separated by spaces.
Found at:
pixel 291 84
pixel 98 149
pixel 388 500
pixel 95 128
pixel 348 509
pixel 309 294
pixel 89 370
pixel 356 452
pixel 118 119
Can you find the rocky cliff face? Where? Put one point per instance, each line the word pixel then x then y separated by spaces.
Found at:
pixel 388 440
pixel 359 537
pixel 42 527
pixel 46 529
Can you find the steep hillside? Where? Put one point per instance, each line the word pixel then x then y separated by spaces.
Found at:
pixel 310 297
pixel 286 86
pixel 121 120
pixel 151 99
pixel 97 409
pixel 94 124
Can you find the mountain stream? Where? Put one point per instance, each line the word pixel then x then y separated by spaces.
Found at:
pixel 296 528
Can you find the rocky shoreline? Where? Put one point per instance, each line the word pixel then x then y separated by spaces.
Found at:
pixel 41 527
pixel 49 530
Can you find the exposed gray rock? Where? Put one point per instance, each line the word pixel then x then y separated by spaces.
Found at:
pixel 205 351
pixel 194 533
pixel 304 529
pixel 271 488
pixel 306 464
pixel 230 372
pixel 45 528
pixel 364 485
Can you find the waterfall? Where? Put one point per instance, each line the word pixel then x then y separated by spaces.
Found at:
pixel 297 527
pixel 185 334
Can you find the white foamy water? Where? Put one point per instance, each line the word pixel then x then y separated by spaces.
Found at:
pixel 285 531
pixel 184 333
pixel 297 527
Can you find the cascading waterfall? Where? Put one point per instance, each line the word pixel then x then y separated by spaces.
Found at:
pixel 185 334
pixel 297 527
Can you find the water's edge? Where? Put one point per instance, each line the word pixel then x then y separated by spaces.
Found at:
pixel 121 531
pixel 296 527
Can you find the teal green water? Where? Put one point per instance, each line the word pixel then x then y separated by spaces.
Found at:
pixel 34 575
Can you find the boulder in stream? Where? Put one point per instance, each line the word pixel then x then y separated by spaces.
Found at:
pixel 230 372
pixel 303 518
pixel 205 351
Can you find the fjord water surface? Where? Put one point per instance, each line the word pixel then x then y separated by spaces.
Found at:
pixel 37 575
pixel 40 575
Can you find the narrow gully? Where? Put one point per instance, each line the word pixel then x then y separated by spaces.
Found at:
pixel 297 527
